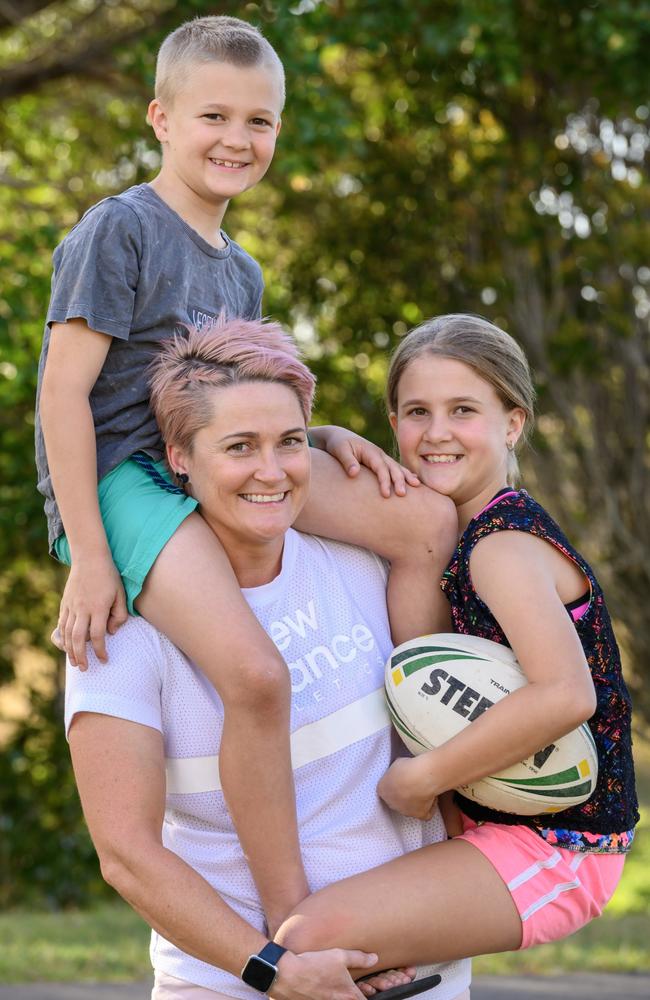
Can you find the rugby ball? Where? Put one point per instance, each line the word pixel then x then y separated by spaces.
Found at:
pixel 437 685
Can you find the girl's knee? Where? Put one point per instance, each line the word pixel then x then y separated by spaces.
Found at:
pixel 312 931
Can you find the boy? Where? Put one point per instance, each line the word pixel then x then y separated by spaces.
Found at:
pixel 136 266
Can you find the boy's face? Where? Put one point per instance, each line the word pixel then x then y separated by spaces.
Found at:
pixel 219 134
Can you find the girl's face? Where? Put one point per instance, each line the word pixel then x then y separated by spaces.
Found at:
pixel 453 431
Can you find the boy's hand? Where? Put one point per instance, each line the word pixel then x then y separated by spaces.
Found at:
pixel 93 604
pixel 353 451
pixel 406 788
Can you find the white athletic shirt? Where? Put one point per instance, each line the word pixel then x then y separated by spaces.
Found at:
pixel 326 612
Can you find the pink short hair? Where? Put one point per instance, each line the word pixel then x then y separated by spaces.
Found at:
pixel 189 368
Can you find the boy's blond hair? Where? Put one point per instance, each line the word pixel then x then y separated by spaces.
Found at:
pixel 207 39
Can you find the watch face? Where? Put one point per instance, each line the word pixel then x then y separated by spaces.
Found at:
pixel 259 974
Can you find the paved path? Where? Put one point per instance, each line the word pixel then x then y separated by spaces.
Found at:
pixel 578 987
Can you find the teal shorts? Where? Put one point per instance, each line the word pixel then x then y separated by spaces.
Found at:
pixel 141 509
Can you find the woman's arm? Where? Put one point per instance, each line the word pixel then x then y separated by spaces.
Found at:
pixel 93 600
pixel 416 533
pixel 515 575
pixel 120 773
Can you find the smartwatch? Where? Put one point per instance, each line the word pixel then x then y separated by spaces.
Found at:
pixel 261 969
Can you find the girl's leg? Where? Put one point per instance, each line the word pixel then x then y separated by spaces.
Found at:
pixel 437 904
pixel 191 594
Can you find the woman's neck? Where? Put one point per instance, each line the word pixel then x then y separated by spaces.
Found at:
pixel 254 565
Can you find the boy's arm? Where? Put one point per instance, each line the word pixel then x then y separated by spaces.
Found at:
pixel 416 533
pixel 93 600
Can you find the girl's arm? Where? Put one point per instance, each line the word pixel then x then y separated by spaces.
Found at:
pixel 93 600
pixel 120 773
pixel 416 533
pixel 515 574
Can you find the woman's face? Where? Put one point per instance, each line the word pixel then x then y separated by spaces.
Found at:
pixel 250 466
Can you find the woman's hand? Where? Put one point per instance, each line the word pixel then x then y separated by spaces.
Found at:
pixel 93 603
pixel 320 975
pixel 353 451
pixel 452 817
pixel 407 787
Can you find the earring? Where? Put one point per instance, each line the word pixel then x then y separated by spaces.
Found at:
pixel 510 445
pixel 182 478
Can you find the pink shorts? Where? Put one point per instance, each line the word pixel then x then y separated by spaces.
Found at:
pixel 556 891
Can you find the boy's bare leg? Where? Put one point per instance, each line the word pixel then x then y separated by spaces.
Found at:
pixel 437 904
pixel 416 533
pixel 191 594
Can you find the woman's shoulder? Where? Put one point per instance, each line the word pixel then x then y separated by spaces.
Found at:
pixel 136 641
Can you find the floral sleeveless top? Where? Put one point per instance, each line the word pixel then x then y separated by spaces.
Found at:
pixel 605 822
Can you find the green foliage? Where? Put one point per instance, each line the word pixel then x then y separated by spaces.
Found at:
pixel 46 856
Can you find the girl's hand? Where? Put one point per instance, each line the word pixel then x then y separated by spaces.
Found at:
pixel 386 980
pixel 353 451
pixel 93 603
pixel 406 787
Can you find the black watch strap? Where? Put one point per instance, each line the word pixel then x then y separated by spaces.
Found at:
pixel 261 969
pixel 271 952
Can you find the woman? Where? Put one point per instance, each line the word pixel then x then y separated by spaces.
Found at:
pixel 233 407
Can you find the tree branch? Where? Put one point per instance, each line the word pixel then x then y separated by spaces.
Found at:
pixel 12 12
pixel 28 77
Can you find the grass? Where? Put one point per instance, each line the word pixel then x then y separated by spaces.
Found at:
pixel 107 943
pixel 110 943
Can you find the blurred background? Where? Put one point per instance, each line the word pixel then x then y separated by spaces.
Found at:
pixel 486 156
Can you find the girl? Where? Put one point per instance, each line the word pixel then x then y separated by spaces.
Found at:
pixel 460 399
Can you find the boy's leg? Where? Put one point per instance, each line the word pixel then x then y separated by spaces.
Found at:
pixel 437 904
pixel 191 594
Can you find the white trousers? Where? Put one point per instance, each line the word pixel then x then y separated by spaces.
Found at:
pixel 169 988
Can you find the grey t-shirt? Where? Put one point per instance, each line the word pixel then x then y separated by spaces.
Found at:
pixel 133 269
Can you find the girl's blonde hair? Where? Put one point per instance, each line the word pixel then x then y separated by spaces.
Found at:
pixel 493 354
